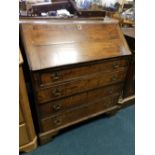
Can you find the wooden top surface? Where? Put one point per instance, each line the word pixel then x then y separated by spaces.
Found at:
pixel 130 32
pixel 52 19
pixel 59 43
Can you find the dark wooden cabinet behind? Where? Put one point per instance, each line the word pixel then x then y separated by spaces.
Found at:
pixel 128 96
pixel 78 70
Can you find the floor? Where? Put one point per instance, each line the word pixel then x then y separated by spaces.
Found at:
pixel 101 136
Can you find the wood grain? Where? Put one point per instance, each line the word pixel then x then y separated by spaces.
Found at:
pixel 70 43
pixel 80 85
pixel 49 77
pixel 23 135
pixel 26 127
pixel 58 106
pixel 73 115
pixel 77 68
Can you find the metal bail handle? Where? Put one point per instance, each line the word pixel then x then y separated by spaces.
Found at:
pixel 56 92
pixel 57 121
pixel 55 75
pixel 57 107
pixel 79 27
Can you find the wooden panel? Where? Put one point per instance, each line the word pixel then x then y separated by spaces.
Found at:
pixel 48 77
pixel 50 108
pixel 24 103
pixel 129 87
pixel 69 42
pixel 27 136
pixel 80 85
pixel 71 33
pixel 23 135
pixel 73 115
pixel 21 119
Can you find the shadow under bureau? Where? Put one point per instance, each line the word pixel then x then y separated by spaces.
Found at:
pixel 77 68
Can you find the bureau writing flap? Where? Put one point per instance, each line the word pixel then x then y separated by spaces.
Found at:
pixel 59 43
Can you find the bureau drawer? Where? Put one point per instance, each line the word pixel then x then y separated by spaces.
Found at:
pixel 23 135
pixel 50 77
pixel 57 106
pixel 72 116
pixel 80 85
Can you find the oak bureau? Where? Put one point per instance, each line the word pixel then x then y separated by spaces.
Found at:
pixel 77 68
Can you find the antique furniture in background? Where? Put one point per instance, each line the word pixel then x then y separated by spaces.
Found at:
pixel 77 67
pixel 35 10
pixel 128 95
pixel 27 135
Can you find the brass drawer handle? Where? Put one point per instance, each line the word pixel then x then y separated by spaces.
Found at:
pixel 55 76
pixel 115 65
pixel 114 78
pixel 79 27
pixel 111 91
pixel 57 107
pixel 57 121
pixel 56 92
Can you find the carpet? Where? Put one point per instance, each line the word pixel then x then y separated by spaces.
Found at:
pixel 99 136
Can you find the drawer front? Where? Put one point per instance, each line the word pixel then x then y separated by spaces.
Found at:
pixel 47 78
pixel 79 113
pixel 23 136
pixel 58 106
pixel 81 85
